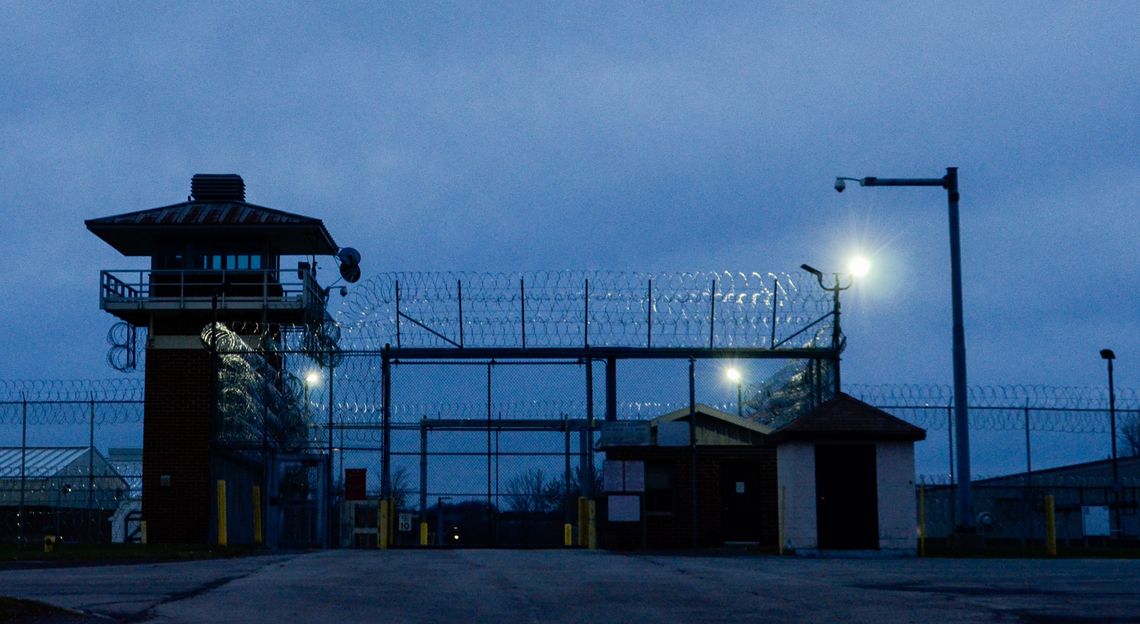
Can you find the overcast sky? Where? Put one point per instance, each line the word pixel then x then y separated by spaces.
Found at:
pixel 496 136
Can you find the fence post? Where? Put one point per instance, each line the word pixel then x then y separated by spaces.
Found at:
pixel 592 530
pixel 23 467
pixel 1050 527
pixel 257 532
pixel 92 527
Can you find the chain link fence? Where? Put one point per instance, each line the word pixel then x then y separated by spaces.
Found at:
pixel 497 452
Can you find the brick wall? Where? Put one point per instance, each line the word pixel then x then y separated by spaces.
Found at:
pixel 675 529
pixel 176 431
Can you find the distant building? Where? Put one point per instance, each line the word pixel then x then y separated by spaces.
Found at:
pixel 68 491
pixel 1089 508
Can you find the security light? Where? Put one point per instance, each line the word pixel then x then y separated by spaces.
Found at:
pixel 859 266
pixel 733 374
pixel 1107 354
pixel 313 378
pixel 810 269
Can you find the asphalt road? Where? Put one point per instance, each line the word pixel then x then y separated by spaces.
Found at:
pixel 580 586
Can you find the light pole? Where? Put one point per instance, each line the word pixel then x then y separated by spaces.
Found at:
pixel 859 268
pixel 733 375
pixel 961 408
pixel 1109 356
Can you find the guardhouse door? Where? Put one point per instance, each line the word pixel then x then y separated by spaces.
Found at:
pixel 847 506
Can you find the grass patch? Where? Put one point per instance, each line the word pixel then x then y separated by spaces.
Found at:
pixel 1033 552
pixel 12 609
pixel 115 553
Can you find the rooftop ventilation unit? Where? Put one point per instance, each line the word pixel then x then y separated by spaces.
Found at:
pixel 215 187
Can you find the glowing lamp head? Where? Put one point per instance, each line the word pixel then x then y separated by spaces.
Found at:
pixel 313 378
pixel 733 375
pixel 859 266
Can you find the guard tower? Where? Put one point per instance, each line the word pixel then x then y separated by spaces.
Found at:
pixel 215 262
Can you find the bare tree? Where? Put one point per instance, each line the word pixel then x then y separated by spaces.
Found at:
pixel 1130 431
pixel 531 491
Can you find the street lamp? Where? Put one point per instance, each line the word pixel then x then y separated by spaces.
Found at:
pixel 961 409
pixel 859 268
pixel 1109 356
pixel 311 379
pixel 733 375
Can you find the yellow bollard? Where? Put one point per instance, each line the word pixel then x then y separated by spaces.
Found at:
pixel 257 536
pixel 423 534
pixel 783 511
pixel 222 537
pixel 592 529
pixel 567 534
pixel 1050 527
pixel 142 531
pixel 384 524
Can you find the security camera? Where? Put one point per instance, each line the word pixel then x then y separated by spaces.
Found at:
pixel 840 184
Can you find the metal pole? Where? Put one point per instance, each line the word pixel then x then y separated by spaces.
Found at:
pixel 568 493
pixel 331 502
pixel 585 469
pixel 386 422
pixel 522 303
pixel 397 315
pixel 459 286
pixel 1112 422
pixel 649 316
pixel 835 330
pixel 775 299
pixel 961 398
pixel 950 441
pixel 693 448
pixel 1116 532
pixel 611 388
pixel 490 514
pixel 740 399
pixel 423 468
pixel 712 314
pixel 586 318
pixel 91 470
pixel 23 464
pixel 1028 449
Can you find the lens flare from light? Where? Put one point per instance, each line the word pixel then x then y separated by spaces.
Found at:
pixel 313 378
pixel 732 374
pixel 859 266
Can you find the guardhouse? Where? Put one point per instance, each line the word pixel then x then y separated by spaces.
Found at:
pixel 215 262
pixel 659 478
pixel 846 477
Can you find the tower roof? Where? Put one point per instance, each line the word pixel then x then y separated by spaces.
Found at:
pixel 217 212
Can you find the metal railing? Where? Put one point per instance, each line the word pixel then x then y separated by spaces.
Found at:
pixel 198 288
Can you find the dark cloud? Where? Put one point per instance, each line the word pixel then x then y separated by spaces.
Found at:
pixel 598 136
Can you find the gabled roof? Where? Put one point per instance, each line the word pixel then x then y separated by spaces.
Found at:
pixel 701 408
pixel 38 462
pixel 846 417
pixel 143 232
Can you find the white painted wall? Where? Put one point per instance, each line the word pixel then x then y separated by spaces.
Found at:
pixel 898 527
pixel 894 465
pixel 795 472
